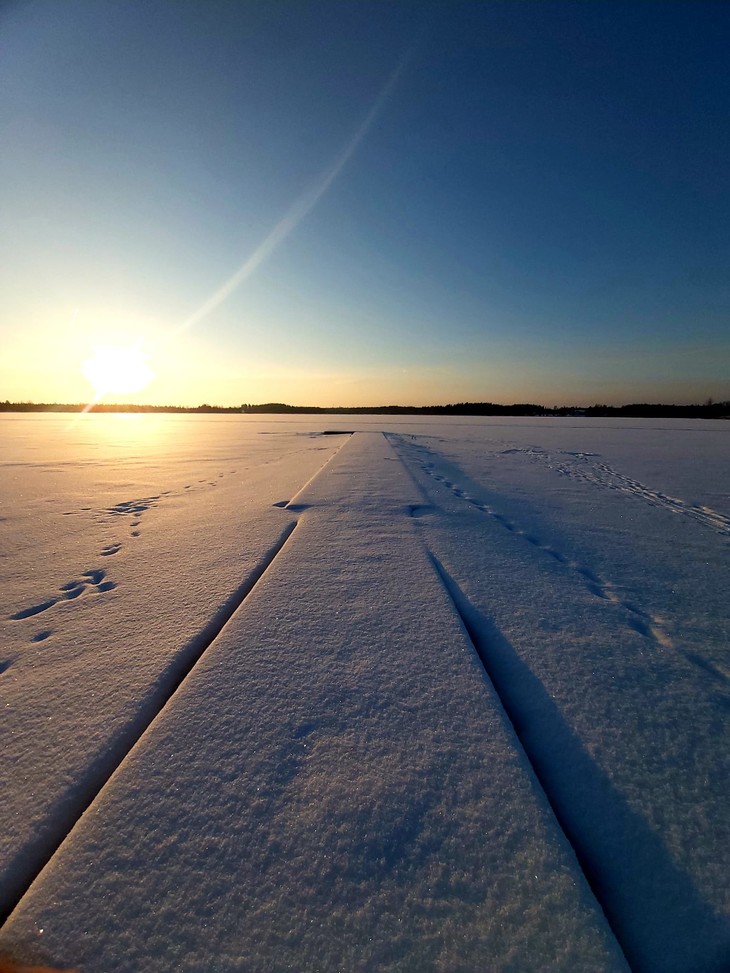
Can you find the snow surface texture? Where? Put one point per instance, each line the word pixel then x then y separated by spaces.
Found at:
pixel 333 787
pixel 599 605
pixel 114 576
pixel 336 785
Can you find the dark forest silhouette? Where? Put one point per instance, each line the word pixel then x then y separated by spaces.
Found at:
pixel 708 410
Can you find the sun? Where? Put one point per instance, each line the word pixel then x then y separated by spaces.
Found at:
pixel 118 370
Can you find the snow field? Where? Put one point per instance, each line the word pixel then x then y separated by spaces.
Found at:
pixel 335 785
pixel 118 575
pixel 601 621
pixel 587 561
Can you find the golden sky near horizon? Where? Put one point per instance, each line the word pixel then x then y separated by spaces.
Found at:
pixel 139 362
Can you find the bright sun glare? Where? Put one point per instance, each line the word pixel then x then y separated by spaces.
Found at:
pixel 118 370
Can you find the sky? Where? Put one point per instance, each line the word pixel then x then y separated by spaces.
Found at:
pixel 353 203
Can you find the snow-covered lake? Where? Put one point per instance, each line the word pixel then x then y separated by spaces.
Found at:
pixel 426 695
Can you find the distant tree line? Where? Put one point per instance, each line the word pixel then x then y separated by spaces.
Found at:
pixel 641 410
pixel 709 410
pixel 458 409
pixel 110 407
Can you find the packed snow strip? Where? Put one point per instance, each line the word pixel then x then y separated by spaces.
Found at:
pixel 334 786
pixel 128 570
pixel 627 734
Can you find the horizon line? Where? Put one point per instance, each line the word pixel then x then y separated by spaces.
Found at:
pixel 271 407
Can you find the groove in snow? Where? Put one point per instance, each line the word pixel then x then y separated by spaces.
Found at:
pixel 34 860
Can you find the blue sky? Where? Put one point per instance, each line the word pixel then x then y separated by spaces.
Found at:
pixel 539 210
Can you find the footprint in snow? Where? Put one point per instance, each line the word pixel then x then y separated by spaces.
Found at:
pixel 638 620
pixel 420 509
pixel 92 580
pixel 34 610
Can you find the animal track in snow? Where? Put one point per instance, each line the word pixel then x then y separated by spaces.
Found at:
pixel 602 475
pixel 420 509
pixel 583 466
pixel 90 581
pixel 133 506
pixel 648 626
pixel 133 509
pixel 34 610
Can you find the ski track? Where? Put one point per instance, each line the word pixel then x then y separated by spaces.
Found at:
pixel 522 697
pixel 650 626
pixel 487 645
pixel 165 687
pixel 206 639
pixel 490 646
pixel 93 581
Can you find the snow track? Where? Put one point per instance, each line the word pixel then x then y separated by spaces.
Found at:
pixel 628 741
pixel 652 627
pixel 604 476
pixel 333 787
pixel 501 664
pixel 450 707
pixel 67 726
pixel 33 860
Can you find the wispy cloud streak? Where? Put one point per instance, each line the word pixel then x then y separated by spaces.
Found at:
pixel 302 206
